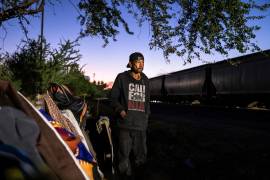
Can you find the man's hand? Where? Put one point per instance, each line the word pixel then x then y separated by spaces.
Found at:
pixel 123 114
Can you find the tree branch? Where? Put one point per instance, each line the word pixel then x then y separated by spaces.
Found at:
pixel 20 10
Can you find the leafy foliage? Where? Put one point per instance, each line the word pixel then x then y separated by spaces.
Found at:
pixel 26 66
pixel 182 27
pixel 6 74
pixel 19 8
pixel 60 61
pixel 57 65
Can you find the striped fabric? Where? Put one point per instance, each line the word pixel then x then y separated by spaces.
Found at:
pixel 55 113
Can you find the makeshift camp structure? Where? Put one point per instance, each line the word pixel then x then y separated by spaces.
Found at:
pixel 46 143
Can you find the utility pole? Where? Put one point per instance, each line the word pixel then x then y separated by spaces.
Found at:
pixel 41 29
pixel 41 42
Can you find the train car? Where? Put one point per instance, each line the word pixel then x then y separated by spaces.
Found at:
pixel 240 80
pixel 243 80
pixel 185 85
pixel 157 90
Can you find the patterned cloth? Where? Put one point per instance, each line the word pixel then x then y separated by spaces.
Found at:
pixel 68 114
pixel 65 99
pixel 81 151
pixel 84 157
pixel 61 164
pixel 55 113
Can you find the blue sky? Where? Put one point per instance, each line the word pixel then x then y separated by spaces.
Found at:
pixel 106 63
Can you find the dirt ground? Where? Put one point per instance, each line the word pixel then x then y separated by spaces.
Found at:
pixel 195 144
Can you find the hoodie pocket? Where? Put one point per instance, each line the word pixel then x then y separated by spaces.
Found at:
pixel 127 120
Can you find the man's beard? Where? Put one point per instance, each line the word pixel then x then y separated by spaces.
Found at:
pixel 137 70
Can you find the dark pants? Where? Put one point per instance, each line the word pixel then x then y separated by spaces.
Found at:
pixel 131 141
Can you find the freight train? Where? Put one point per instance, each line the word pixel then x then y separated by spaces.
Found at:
pixel 239 81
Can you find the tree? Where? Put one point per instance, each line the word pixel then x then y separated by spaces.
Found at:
pixel 33 75
pixel 26 66
pixel 182 27
pixel 60 62
pixel 6 74
pixel 18 9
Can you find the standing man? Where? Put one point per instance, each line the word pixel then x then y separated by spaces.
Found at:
pixel 130 100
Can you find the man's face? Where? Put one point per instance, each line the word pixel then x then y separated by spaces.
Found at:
pixel 137 65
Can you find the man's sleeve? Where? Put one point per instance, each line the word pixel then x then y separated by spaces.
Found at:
pixel 115 96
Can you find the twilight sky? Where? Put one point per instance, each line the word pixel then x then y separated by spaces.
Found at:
pixel 106 63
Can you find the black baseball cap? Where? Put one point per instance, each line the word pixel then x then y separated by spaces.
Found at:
pixel 135 56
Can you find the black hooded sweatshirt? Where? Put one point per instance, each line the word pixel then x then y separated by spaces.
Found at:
pixel 132 96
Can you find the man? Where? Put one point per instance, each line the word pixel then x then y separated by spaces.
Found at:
pixel 130 100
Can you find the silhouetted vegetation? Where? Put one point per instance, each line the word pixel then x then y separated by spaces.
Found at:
pixel 184 28
pixel 32 75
